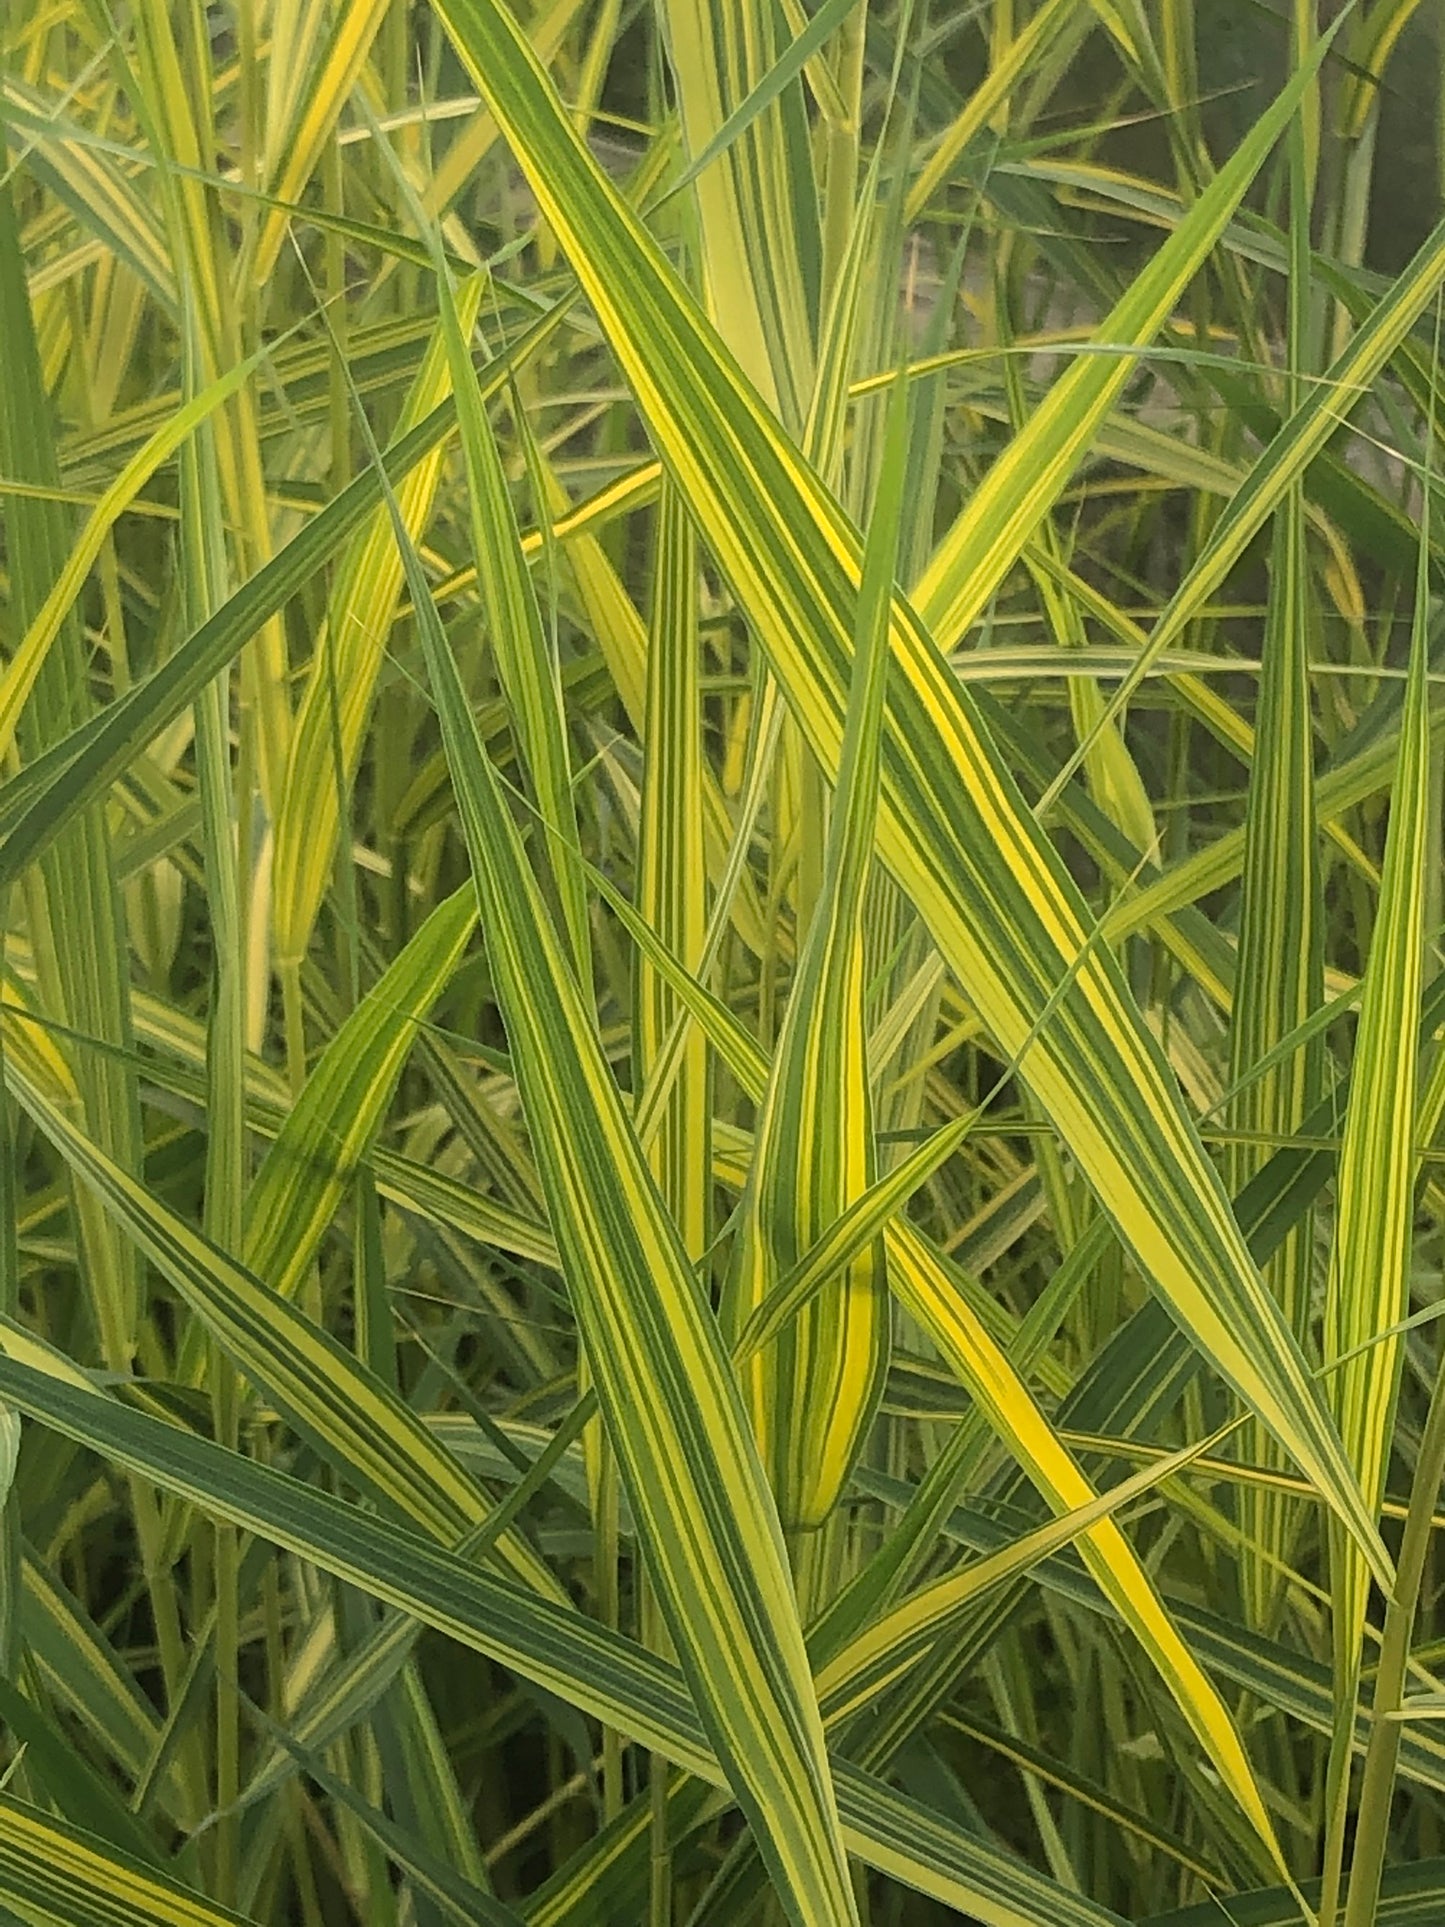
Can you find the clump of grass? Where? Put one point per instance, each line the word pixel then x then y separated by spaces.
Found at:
pixel 721 1002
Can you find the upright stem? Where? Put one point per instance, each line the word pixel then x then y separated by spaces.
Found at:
pixel 1378 1786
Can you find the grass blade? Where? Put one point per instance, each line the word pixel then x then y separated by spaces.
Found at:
pixel 690 1467
pixel 568 1654
pixel 305 1174
pixel 813 1393
pixel 952 826
pixel 55 1873
pixel 338 694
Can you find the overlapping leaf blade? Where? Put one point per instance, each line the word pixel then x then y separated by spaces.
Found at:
pixel 952 825
pixel 346 665
pixel 569 1655
pixel 814 1391
pixel 339 1406
pixel 303 1177
pixel 54 1873
pixel 673 1413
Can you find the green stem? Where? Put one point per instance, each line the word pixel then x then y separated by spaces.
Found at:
pixel 659 1887
pixel 294 1024
pixel 1377 1788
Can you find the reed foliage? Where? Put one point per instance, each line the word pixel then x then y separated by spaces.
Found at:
pixel 722 1008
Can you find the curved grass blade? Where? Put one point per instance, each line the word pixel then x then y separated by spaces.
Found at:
pixel 900 1637
pixel 38 805
pixel 345 665
pixel 297 150
pixel 1002 513
pixel 340 1407
pixel 24 664
pixel 305 1173
pixel 926 1290
pixel 581 1662
pixel 79 1664
pixel 1304 435
pixel 89 181
pixel 74 1787
pixel 56 1874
